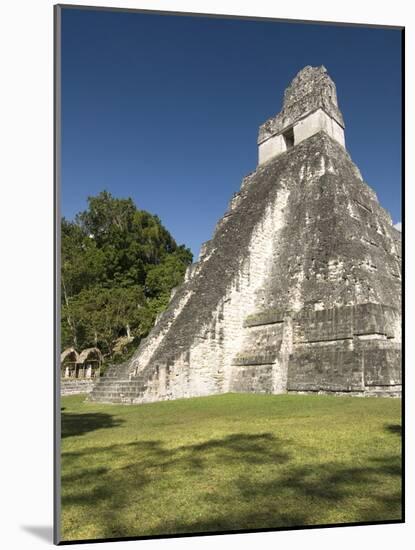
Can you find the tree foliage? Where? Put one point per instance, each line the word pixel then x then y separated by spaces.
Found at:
pixel 118 267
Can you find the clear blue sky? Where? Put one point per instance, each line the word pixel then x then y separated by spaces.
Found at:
pixel 165 109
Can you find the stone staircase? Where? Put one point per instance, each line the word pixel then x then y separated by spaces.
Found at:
pixel 119 386
pixel 113 386
pixel 76 386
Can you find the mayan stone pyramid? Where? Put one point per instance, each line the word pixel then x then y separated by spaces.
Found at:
pixel 299 288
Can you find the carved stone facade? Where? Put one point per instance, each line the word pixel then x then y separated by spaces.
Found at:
pixel 299 289
pixel 310 105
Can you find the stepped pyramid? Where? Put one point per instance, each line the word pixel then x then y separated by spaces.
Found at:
pixel 299 288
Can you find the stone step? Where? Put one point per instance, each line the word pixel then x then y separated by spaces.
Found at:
pixel 116 375
pixel 112 400
pixel 110 383
pixel 115 394
pixel 120 387
pixel 116 391
pixel 388 393
pixel 133 386
pixel 255 359
pixel 117 386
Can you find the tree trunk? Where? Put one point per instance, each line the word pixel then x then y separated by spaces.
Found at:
pixel 68 316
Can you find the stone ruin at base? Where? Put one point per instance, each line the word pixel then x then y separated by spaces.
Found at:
pixel 79 371
pixel 299 289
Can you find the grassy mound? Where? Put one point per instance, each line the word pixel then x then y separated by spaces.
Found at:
pixel 228 462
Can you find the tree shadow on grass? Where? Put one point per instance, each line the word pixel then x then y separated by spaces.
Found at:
pixel 250 449
pixel 328 483
pixel 74 424
pixel 394 429
pixel 240 481
pixel 312 494
pixel 121 473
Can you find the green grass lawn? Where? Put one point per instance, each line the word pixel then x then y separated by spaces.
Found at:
pixel 228 462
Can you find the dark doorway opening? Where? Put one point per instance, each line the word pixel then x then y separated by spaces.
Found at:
pixel 289 138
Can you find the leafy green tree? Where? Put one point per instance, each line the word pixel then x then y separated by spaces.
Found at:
pixel 102 315
pixel 118 267
pixel 169 273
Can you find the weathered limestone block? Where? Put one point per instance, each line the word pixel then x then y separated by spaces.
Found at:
pixel 265 318
pixel 325 368
pixel 382 367
pixel 323 325
pixel 375 319
pixel 190 271
pixel 315 122
pixel 361 340
pixel 254 378
pixel 76 386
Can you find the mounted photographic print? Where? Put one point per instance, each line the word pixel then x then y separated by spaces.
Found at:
pixel 228 221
